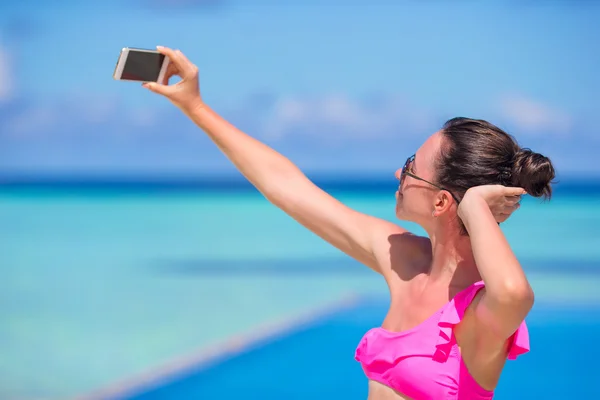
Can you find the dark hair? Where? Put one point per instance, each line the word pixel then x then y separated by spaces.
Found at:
pixel 475 152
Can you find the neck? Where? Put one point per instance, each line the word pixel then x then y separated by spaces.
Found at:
pixel 452 258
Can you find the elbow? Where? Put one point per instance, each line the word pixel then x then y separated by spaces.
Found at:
pixel 516 294
pixel 525 296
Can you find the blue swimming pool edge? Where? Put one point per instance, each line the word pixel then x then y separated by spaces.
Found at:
pixel 229 348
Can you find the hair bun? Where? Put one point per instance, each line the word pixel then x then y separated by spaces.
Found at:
pixel 533 172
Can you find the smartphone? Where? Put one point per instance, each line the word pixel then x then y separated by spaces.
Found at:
pixel 141 65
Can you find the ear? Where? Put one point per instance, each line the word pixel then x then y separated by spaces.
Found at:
pixel 443 202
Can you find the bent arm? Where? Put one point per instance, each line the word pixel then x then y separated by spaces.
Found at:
pixel 508 297
pixel 362 237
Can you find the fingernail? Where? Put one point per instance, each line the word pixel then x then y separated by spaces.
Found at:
pixel 160 47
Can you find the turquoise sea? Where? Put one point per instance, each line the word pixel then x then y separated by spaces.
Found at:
pixel 108 283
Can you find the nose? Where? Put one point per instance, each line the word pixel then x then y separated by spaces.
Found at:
pixel 398 174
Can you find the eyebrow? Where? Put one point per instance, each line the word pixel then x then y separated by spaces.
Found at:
pixel 414 164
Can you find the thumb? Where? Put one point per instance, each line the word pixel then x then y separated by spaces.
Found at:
pixel 515 191
pixel 157 88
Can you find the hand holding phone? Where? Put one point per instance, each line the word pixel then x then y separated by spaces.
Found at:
pixel 141 65
pixel 185 94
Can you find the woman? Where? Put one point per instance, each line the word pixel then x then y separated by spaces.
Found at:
pixel 459 296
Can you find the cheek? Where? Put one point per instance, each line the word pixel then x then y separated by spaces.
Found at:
pixel 415 202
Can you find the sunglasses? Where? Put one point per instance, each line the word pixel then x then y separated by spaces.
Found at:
pixel 406 172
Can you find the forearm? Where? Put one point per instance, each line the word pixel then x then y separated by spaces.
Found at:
pixel 284 185
pixel 496 262
pixel 276 177
pixel 264 167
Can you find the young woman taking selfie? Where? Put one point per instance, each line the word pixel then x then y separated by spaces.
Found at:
pixel 459 296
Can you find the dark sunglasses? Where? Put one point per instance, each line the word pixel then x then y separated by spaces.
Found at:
pixel 406 171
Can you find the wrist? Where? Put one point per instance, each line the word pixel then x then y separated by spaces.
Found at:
pixel 194 106
pixel 470 204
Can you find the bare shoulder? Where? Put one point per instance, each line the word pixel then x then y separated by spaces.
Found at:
pixel 401 256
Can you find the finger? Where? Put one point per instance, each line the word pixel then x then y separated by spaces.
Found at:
pixel 512 200
pixel 173 57
pixel 502 217
pixel 171 71
pixel 185 67
pixel 190 67
pixel 514 191
pixel 158 88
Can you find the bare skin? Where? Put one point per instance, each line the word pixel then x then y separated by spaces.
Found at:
pixel 422 273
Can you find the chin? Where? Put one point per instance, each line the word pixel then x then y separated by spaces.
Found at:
pixel 402 217
pixel 400 212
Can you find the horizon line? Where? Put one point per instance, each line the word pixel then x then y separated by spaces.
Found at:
pixel 224 176
pixel 236 183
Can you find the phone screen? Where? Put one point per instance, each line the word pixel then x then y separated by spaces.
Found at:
pixel 142 66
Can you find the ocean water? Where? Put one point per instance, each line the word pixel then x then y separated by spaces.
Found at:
pixel 103 283
pixel 312 362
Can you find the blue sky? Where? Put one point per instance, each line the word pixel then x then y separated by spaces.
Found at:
pixel 337 86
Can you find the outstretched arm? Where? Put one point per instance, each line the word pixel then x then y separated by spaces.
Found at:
pixel 363 237
pixel 284 185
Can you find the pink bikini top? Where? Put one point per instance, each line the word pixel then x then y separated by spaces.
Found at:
pixel 424 362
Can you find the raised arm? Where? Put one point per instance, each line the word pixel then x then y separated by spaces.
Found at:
pixel 284 185
pixel 363 237
pixel 508 297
